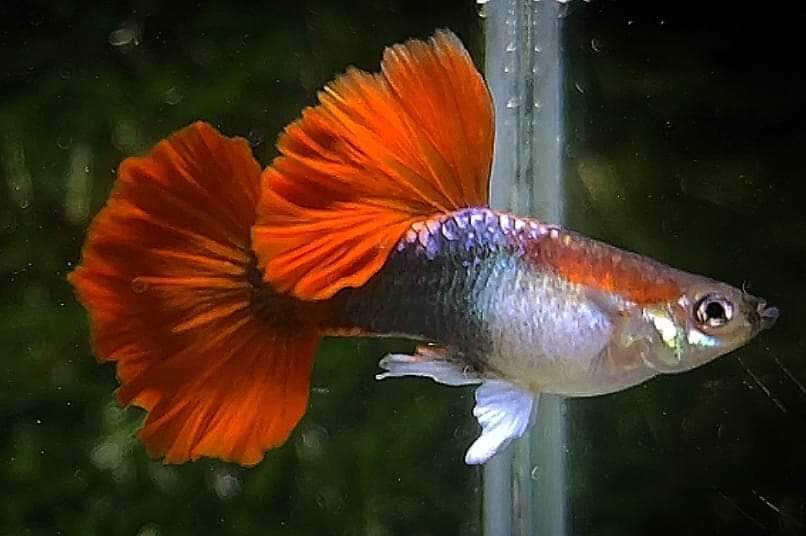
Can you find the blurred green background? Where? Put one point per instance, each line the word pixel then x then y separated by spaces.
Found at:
pixel 685 142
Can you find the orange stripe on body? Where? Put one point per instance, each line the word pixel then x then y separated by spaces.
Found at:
pixel 602 267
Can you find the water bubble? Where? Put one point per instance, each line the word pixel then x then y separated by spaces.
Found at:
pixel 514 102
pixel 330 499
pixel 163 476
pixel 226 485
pixel 482 8
pixel 124 36
pixel 139 285
pixel 36 19
pixel 173 96
pixel 126 135
pixel 107 456
pixel 255 136
pixel 314 437
pixel 149 530
pixel 121 37
pixel 63 142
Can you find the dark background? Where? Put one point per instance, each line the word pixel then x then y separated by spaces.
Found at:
pixel 685 142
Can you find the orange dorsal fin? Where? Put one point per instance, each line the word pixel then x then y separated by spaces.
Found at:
pixel 165 276
pixel 379 152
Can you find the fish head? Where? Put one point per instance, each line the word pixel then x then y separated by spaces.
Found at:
pixel 709 319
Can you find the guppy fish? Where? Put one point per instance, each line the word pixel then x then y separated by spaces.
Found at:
pixel 210 282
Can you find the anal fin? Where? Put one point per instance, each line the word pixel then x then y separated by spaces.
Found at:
pixel 429 362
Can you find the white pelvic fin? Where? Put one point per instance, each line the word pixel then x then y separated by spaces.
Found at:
pixel 427 363
pixel 504 412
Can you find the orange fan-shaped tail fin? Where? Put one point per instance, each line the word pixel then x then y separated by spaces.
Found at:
pixel 378 153
pixel 165 276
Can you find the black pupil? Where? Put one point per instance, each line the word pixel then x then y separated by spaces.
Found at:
pixel 715 310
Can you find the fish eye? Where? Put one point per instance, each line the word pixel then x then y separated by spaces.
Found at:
pixel 713 311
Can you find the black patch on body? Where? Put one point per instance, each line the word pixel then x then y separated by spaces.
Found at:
pixel 439 283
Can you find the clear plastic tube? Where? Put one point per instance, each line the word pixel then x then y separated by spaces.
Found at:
pixel 524 488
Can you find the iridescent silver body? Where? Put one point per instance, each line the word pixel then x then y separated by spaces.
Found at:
pixel 468 282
